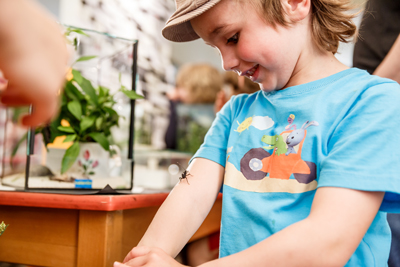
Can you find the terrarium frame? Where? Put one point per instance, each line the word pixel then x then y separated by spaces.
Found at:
pixel 129 160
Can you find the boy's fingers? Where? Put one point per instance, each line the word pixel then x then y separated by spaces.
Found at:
pixel 118 264
pixel 138 261
pixel 136 252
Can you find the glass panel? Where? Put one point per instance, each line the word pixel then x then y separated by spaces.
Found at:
pixel 95 110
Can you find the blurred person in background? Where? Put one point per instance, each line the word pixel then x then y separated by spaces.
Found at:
pixel 191 105
pixel 234 85
pixel 196 84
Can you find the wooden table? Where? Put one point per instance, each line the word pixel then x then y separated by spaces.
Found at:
pixel 79 230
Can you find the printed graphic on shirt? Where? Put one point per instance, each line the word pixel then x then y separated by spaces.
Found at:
pixel 259 122
pixel 261 171
pixel 290 121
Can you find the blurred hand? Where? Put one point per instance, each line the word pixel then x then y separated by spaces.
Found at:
pixel 3 82
pixel 33 58
pixel 146 256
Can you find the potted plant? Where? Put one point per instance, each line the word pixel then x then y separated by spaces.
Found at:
pixel 86 116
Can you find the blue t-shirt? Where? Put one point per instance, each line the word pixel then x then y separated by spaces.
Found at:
pixel 279 147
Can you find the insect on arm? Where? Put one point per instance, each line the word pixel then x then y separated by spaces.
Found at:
pixel 184 174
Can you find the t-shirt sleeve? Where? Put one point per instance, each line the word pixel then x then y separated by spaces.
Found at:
pixel 216 140
pixel 363 152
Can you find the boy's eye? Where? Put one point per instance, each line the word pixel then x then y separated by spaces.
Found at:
pixel 234 39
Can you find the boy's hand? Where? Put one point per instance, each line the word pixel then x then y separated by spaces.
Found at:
pixel 146 256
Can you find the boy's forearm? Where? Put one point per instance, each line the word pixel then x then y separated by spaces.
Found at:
pixel 185 208
pixel 327 237
pixel 297 245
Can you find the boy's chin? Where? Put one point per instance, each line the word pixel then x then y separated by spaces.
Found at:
pixel 268 89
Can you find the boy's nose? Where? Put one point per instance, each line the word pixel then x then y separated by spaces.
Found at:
pixel 229 61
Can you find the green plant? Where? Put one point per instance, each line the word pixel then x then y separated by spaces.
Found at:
pixel 3 227
pixel 86 113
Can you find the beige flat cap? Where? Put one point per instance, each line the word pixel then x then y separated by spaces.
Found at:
pixel 178 27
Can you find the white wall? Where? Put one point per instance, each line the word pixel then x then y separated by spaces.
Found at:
pixel 52 5
pixel 195 51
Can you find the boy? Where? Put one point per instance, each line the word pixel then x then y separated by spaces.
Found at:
pixel 313 195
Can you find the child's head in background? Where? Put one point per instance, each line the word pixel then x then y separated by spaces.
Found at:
pixel 277 43
pixel 197 83
pixel 234 85
pixel 238 84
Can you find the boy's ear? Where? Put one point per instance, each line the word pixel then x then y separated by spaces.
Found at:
pixel 296 10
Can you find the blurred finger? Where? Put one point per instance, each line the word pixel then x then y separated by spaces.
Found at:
pixel 41 114
pixel 3 83
pixel 12 101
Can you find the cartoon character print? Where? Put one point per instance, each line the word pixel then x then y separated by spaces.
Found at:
pixel 295 137
pixel 285 159
pixel 290 120
pixel 275 142
pixel 244 125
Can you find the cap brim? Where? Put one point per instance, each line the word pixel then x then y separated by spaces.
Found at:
pixel 179 29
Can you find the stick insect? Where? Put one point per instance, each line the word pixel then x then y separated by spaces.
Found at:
pixel 184 174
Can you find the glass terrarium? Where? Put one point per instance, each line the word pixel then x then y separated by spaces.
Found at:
pixel 90 144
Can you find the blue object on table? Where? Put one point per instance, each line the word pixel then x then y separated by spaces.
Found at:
pixel 83 183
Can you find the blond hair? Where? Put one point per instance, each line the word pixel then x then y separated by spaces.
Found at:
pixel 202 81
pixel 331 22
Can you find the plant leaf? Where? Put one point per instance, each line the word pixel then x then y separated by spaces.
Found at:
pixel 86 123
pixel 15 149
pixel 66 129
pixel 85 58
pixel 69 30
pixel 99 122
pixel 72 92
pixel 131 94
pixel 110 111
pixel 70 156
pixel 75 44
pixel 103 91
pixel 77 76
pixel 101 139
pixel 76 109
pixel 88 88
pixel 70 138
